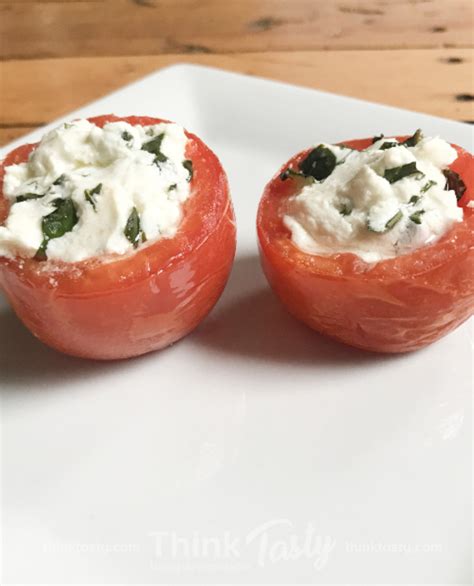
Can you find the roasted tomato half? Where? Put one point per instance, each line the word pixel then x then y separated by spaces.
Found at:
pixel 121 306
pixel 395 305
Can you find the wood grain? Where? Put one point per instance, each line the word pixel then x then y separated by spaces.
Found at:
pixel 60 54
pixel 54 28
pixel 7 135
pixel 51 88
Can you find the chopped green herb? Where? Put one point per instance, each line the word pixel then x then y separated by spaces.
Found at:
pixel 454 183
pixel 416 198
pixel 29 196
pixel 89 194
pixel 388 145
pixel 393 220
pixel 377 138
pixel 413 140
pixel 126 136
pixel 60 180
pixel 292 174
pixel 345 209
pixel 172 187
pixel 427 186
pixel 160 158
pixel 319 163
pixel 397 173
pixel 188 165
pixel 416 217
pixel 57 223
pixel 41 252
pixel 153 146
pixel 61 220
pixel 150 132
pixel 132 228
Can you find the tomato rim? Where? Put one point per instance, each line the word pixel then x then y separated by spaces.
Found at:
pixel 43 271
pixel 348 265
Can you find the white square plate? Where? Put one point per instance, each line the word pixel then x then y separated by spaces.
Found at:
pixel 253 451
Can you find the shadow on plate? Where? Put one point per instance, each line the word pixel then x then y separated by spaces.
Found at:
pixel 28 364
pixel 253 324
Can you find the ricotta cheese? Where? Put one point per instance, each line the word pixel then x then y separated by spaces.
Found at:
pixel 88 191
pixel 385 201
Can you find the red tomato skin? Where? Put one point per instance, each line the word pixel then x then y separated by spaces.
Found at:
pixel 397 305
pixel 124 306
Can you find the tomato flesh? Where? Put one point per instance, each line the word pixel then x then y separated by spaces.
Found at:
pixel 396 305
pixel 121 306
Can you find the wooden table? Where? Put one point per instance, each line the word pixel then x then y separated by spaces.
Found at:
pixel 60 54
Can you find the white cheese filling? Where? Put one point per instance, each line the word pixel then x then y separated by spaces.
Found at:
pixel 110 189
pixel 358 210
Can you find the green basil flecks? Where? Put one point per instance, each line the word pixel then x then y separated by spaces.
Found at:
pixel 416 198
pixel 61 220
pixel 345 209
pixel 153 146
pixel 377 138
pixel 393 221
pixel 57 223
pixel 414 139
pixel 90 193
pixel 319 163
pixel 427 186
pixel 126 136
pixel 29 196
pixel 60 180
pixel 388 145
pixel 188 165
pixel 397 173
pixel 133 229
pixel 41 252
pixel 292 174
pixel 454 183
pixel 416 217
pixel 172 187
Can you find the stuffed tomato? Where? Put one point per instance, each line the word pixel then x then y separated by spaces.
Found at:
pixel 117 235
pixel 370 241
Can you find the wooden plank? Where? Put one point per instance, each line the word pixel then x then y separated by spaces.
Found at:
pixel 43 29
pixel 51 88
pixel 11 133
